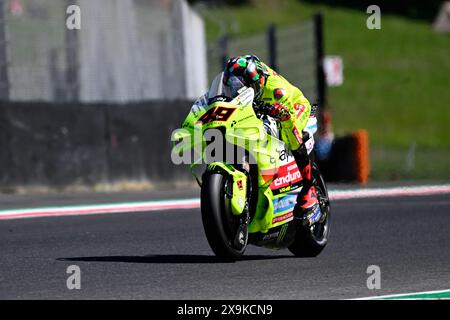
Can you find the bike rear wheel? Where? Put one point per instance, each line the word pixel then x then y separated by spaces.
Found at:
pixel 311 240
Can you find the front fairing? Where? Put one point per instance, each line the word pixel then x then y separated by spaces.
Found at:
pixel 237 119
pixel 242 127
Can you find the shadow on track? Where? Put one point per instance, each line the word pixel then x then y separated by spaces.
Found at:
pixel 171 258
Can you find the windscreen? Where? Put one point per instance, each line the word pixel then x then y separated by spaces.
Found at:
pixel 231 90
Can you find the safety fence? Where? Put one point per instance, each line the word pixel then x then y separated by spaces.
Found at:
pixel 296 52
pixel 118 51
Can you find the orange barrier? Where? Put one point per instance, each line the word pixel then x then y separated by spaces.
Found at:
pixel 361 155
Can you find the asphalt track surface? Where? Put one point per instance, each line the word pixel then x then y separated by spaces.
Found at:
pixel 165 255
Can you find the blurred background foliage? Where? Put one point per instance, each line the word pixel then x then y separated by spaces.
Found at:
pixel 396 80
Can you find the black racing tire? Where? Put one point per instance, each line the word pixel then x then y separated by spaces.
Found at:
pixel 310 241
pixel 218 221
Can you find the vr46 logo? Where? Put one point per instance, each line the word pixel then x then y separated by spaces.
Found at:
pixel 216 114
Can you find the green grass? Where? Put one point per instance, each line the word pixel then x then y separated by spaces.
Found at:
pixel 391 163
pixel 397 79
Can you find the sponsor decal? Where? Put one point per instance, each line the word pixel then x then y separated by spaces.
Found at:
pixel 239 184
pixel 282 233
pixel 246 118
pixel 297 135
pixel 245 96
pixel 285 176
pixel 288 216
pixel 285 203
pixel 271 236
pixel 283 190
pixel 315 216
pixel 299 108
pixel 288 178
pixel 278 93
pixel 309 145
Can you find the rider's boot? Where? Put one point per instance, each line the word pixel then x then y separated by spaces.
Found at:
pixel 307 207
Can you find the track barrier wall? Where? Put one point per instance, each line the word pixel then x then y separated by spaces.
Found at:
pixel 48 144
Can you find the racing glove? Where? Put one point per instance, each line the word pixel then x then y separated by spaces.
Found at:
pixel 278 111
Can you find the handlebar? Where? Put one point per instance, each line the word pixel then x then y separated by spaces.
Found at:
pixel 261 108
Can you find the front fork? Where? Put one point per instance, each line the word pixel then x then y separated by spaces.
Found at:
pixel 241 237
pixel 238 194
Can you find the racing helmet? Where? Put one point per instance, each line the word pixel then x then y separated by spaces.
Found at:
pixel 246 70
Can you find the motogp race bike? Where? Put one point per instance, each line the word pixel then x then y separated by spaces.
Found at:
pixel 249 197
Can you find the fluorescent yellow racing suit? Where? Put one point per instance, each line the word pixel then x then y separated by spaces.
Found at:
pixel 288 104
pixel 278 90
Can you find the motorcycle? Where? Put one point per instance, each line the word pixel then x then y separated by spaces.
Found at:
pixel 250 197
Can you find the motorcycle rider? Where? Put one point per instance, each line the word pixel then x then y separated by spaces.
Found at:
pixel 287 104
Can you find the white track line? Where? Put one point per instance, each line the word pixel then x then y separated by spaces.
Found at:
pixel 389 192
pixel 100 209
pixel 405 295
pixel 195 202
